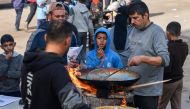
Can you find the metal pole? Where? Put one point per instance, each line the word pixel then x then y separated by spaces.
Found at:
pixel 148 84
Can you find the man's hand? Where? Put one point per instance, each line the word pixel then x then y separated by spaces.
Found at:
pixel 73 63
pixel 100 53
pixel 77 73
pixel 151 60
pixel 136 60
pixel 9 56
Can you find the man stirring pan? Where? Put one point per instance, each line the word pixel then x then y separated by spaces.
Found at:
pixel 148 55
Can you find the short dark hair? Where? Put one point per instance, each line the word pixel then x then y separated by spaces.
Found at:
pixel 6 38
pixel 174 28
pixel 58 31
pixel 138 7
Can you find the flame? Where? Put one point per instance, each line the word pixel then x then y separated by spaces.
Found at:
pixel 78 83
pixel 95 2
pixel 124 102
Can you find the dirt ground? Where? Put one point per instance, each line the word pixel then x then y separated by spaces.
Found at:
pixel 162 12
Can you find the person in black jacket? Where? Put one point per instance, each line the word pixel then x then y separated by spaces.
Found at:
pixel 45 83
pixel 178 53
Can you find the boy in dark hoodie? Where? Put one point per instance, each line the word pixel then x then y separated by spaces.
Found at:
pixel 10 67
pixel 45 81
pixel 178 52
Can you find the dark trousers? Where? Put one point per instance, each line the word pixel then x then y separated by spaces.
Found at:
pixel 146 102
pixel 33 7
pixel 171 92
pixel 82 38
pixel 18 17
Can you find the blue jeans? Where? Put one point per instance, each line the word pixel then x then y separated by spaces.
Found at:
pixel 18 17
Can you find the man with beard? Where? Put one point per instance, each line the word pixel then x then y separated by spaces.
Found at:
pixel 37 42
pixel 45 81
pixel 148 55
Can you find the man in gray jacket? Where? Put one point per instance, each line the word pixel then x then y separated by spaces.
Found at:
pixel 148 55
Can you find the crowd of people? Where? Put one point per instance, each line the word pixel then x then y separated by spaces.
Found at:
pixel 133 41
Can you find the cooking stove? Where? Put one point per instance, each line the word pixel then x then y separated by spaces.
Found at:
pixel 111 100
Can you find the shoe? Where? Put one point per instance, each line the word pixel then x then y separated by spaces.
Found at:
pixel 17 29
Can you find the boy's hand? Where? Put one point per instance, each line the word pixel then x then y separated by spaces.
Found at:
pixel 100 53
pixel 9 56
pixel 77 73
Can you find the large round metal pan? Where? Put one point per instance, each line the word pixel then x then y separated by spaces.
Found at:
pixel 100 78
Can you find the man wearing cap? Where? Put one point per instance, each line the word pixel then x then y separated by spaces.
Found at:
pixel 36 41
pixel 148 55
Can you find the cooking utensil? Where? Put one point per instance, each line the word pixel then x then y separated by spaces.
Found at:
pixel 148 84
pixel 94 77
pixel 112 107
pixel 115 72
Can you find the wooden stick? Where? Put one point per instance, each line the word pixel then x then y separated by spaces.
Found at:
pixel 148 84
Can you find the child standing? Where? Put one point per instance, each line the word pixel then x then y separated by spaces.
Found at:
pixel 102 56
pixel 18 5
pixel 10 67
pixel 178 53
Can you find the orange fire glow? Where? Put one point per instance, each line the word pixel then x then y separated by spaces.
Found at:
pixel 124 102
pixel 78 83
